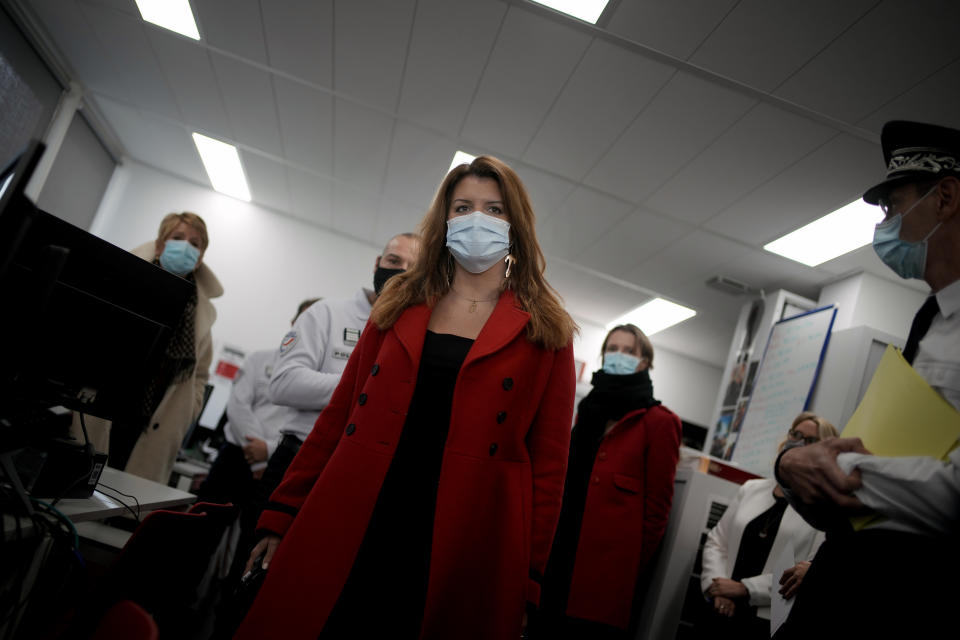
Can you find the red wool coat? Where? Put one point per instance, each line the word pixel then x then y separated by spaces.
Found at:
pixel 628 504
pixel 499 493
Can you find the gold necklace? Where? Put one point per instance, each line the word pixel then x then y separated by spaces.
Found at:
pixel 473 303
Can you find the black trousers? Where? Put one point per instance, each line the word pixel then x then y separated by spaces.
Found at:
pixel 229 479
pixel 277 466
pixel 878 583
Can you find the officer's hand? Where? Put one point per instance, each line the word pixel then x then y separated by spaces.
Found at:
pixel 812 473
pixel 255 450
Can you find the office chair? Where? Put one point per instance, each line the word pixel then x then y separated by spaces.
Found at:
pixel 126 620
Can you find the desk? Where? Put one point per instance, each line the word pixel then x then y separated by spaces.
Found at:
pixel 104 504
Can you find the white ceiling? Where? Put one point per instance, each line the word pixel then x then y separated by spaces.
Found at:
pixel 661 147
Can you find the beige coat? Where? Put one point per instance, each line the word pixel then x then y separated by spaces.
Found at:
pixel 156 450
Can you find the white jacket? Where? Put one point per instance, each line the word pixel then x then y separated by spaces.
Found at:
pixel 249 409
pixel 312 357
pixel 723 542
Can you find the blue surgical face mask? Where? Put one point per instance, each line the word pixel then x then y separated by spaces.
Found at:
pixel 619 363
pixel 179 257
pixel 907 259
pixel 478 241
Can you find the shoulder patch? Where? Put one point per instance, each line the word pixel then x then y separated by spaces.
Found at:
pixel 288 341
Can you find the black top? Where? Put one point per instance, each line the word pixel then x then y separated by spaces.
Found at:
pixel 757 541
pixel 386 591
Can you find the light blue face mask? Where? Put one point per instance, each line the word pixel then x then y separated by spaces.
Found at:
pixel 478 241
pixel 179 257
pixel 907 259
pixel 619 363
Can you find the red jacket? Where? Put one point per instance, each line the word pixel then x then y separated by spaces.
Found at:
pixel 628 504
pixel 499 493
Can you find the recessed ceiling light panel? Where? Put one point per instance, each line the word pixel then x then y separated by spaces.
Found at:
pixel 460 157
pixel 846 229
pixel 586 10
pixel 654 316
pixel 174 15
pixel 222 163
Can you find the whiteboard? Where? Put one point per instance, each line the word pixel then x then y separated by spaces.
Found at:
pixel 785 381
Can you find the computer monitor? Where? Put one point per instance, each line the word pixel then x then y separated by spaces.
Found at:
pixel 84 323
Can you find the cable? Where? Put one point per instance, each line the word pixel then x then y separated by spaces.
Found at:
pixel 64 519
pixel 135 514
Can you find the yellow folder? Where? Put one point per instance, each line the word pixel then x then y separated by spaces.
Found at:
pixel 901 415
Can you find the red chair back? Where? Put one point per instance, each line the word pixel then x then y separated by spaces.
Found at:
pixel 126 620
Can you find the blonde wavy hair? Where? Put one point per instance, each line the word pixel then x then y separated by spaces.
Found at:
pixel 431 277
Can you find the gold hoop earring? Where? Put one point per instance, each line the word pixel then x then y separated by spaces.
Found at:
pixel 510 260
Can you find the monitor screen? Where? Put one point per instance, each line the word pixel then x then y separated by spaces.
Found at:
pixel 84 322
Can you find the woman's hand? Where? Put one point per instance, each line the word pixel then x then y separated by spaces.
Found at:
pixel 267 546
pixel 727 588
pixel 792 578
pixel 724 606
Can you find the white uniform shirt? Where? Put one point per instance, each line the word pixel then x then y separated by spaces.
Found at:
pixel 920 494
pixel 312 357
pixel 249 409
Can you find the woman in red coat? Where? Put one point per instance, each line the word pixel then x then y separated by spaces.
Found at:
pixel 619 487
pixel 423 503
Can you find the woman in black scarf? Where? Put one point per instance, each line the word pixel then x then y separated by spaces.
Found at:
pixel 617 496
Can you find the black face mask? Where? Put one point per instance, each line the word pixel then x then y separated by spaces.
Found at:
pixel 380 277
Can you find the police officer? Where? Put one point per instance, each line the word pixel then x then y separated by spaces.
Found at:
pixel 314 353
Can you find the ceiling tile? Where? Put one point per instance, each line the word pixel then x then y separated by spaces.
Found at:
pixel 763 143
pixel 583 217
pixel 916 103
pixel 610 86
pixel 589 296
pixel 233 26
pixel 531 62
pixel 299 36
pixel 355 210
pixel 370 46
pixel 675 28
pixel 684 118
pixel 77 40
pixel 820 183
pixel 690 261
pixel 418 163
pixel 547 192
pixel 249 101
pixel 154 141
pixel 268 181
pixel 762 43
pixel 627 243
pixel 306 124
pixel 359 143
pixel 448 50
pixel 311 197
pixel 881 56
pixel 192 81
pixel 133 59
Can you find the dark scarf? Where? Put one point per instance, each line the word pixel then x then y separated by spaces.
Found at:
pixel 179 359
pixel 612 397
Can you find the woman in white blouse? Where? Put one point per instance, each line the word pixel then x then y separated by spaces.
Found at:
pixel 740 551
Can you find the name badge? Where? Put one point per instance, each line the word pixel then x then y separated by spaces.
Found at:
pixel 351 336
pixel 340 354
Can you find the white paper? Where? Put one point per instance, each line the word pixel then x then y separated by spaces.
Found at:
pixel 780 608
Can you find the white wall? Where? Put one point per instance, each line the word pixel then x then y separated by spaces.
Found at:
pixel 867 300
pixel 267 262
pixel 687 386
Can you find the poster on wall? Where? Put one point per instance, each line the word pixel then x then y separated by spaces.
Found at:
pixel 784 382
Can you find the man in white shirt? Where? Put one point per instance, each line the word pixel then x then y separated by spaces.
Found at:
pixel 251 432
pixel 313 355
pixel 900 575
